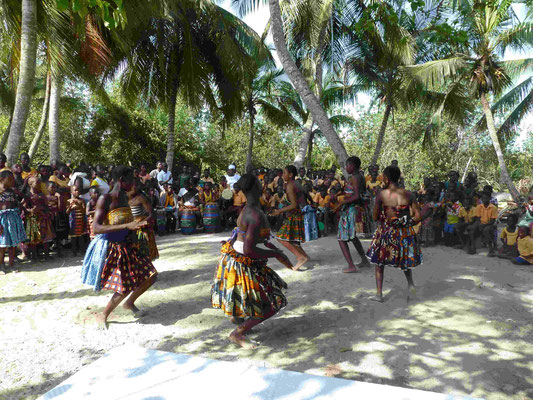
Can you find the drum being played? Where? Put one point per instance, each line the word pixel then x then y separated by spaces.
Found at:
pixel 188 222
pixel 212 218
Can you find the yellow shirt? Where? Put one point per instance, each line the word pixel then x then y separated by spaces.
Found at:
pixel 525 248
pixel 44 189
pixel 60 182
pixel 486 214
pixel 239 199
pixel 25 174
pixel 467 215
pixel 321 201
pixel 509 237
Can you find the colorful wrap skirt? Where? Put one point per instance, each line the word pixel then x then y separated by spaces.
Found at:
pixel 245 287
pixel 77 223
pixel 363 219
pixel 33 232
pixel 396 244
pixel 310 224
pixel 13 232
pixel 293 228
pixel 113 262
pixel 347 229
pixel 147 244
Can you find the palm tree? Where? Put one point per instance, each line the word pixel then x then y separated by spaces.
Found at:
pixel 44 118
pixel 490 28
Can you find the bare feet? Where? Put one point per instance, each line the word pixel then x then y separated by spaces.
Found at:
pixel 350 270
pixel 378 298
pixel 236 320
pixel 364 263
pixel 242 340
pixel 300 263
pixel 411 293
pixel 101 321
pixel 135 311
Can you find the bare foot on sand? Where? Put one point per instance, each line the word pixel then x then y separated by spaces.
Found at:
pixel 236 320
pixel 364 263
pixel 411 293
pixel 378 298
pixel 101 321
pixel 242 341
pixel 135 311
pixel 350 270
pixel 300 263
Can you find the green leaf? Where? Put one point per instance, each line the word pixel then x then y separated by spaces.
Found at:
pixel 62 5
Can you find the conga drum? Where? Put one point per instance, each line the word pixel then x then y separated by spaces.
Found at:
pixel 188 222
pixel 211 218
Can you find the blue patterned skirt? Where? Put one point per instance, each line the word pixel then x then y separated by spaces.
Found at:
pixel 347 223
pixel 94 262
pixel 310 224
pixel 13 232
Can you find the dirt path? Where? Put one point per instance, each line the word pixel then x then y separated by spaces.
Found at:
pixel 470 333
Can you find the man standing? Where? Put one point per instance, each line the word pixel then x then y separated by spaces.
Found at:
pixel 164 177
pixel 155 172
pixel 232 177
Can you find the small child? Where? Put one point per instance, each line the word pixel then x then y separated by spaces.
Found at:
pixel 453 207
pixel 525 247
pixel 57 209
pixel 91 208
pixel 12 231
pixel 38 219
pixel 467 215
pixel 509 237
pixel 77 219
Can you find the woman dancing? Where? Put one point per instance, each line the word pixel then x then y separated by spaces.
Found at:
pixel 395 242
pixel 112 260
pixel 352 206
pixel 244 287
pixel 292 231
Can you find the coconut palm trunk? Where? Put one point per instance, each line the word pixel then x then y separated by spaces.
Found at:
pixel 53 120
pixel 302 87
pixel 310 152
pixel 304 143
pixel 381 134
pixel 26 82
pixel 250 142
pixel 171 139
pixel 504 174
pixel 3 142
pixel 44 118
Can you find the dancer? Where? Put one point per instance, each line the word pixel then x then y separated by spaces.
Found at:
pixel 244 287
pixel 395 242
pixel 292 231
pixel 112 261
pixel 351 206
pixel 12 231
pixel 142 210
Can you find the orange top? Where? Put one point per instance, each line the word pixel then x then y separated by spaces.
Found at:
pixel 485 214
pixel 239 199
pixel 525 248
pixel 322 201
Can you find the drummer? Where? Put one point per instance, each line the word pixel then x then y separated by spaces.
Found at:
pixel 188 198
pixel 232 176
pixel 208 195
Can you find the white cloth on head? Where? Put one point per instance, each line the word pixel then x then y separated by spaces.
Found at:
pixel 86 183
pixel 231 166
pixel 101 184
pixel 232 180
pixel 153 173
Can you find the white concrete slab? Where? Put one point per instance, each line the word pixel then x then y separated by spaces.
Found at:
pixel 131 372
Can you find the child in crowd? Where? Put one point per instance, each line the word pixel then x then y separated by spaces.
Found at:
pixel 58 215
pixel 77 219
pixel 453 207
pixel 485 225
pixel 12 231
pixel 509 237
pixel 322 199
pixel 525 247
pixel 91 208
pixel 467 215
pixel 38 222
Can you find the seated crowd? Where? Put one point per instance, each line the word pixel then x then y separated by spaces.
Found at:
pixel 57 206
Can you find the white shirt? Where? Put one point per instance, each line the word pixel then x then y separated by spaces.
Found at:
pixel 232 180
pixel 163 176
pixel 102 185
pixel 154 173
pixel 86 183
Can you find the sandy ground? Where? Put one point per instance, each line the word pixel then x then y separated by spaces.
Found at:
pixel 469 333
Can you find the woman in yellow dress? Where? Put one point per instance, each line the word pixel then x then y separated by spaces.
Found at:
pixel 112 260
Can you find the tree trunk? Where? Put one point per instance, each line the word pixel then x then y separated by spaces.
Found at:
pixel 496 143
pixel 304 143
pixel 381 135
pixel 171 140
pixel 250 143
pixel 302 87
pixel 28 57
pixel 310 152
pixel 53 123
pixel 5 136
pixel 44 118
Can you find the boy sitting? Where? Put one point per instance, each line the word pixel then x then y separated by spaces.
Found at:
pixel 485 224
pixel 453 207
pixel 467 215
pixel 525 247
pixel 509 237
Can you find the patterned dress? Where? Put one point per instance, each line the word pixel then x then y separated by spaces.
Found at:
pixel 246 287
pixel 351 215
pixel 395 242
pixel 112 260
pixel 77 218
pixel 293 227
pixel 146 235
pixel 13 232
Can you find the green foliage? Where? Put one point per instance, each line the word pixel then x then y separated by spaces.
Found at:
pixel 112 12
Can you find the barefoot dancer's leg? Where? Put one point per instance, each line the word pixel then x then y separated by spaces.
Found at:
pixel 359 247
pixel 113 303
pixel 143 287
pixel 410 284
pixel 379 283
pixel 2 263
pixel 301 256
pixel 237 336
pixel 346 252
pixel 11 256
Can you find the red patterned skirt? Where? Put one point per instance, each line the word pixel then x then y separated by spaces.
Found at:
pixel 125 269
pixel 293 228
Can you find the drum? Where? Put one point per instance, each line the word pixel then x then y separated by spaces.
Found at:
pixel 188 222
pixel 211 218
pixel 227 194
pixel 161 220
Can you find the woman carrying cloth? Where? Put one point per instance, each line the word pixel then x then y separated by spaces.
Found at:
pixel 395 242
pixel 112 260
pixel 244 287
pixel 351 207
pixel 292 231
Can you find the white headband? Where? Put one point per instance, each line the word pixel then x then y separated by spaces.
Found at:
pixel 231 166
